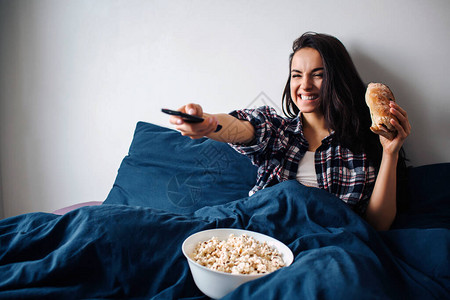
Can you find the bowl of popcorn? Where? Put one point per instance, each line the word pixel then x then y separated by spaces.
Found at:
pixel 222 259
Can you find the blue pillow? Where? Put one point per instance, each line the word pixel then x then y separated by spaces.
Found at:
pixel 428 186
pixel 168 171
pixel 428 197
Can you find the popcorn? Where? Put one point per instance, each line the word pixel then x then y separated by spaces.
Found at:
pixel 238 255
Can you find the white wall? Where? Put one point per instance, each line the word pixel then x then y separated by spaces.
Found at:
pixel 76 76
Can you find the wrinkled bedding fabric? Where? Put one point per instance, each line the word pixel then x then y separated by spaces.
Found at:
pixel 117 251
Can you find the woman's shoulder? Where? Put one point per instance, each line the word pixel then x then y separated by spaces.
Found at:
pixel 266 113
pixel 262 110
pixel 267 117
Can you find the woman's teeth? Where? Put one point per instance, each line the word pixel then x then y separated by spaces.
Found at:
pixel 303 97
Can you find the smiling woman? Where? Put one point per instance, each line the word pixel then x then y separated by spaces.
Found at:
pixel 305 85
pixel 306 80
pixel 327 118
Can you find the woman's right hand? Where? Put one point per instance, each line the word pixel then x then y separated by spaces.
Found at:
pixel 194 130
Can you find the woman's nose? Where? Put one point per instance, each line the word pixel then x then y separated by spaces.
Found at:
pixel 306 83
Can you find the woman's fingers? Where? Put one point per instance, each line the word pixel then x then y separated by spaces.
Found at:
pixel 198 130
pixel 194 130
pixel 402 123
pixel 192 109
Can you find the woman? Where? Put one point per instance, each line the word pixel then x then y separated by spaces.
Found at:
pixel 325 140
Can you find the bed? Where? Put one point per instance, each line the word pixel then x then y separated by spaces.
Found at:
pixel 169 187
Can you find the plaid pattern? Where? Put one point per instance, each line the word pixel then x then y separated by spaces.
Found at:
pixel 279 146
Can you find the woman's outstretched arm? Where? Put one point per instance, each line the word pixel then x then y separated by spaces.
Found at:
pixel 232 130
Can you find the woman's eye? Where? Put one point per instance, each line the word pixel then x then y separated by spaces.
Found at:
pixel 296 76
pixel 318 75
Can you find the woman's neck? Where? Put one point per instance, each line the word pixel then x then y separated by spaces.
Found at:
pixel 315 129
pixel 314 121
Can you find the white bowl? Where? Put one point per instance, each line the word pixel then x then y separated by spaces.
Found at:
pixel 216 284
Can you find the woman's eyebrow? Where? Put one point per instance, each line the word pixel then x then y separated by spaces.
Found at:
pixel 312 71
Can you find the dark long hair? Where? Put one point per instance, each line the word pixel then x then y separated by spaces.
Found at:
pixel 342 100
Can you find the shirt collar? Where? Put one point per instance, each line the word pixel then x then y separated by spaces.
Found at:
pixel 329 138
pixel 296 127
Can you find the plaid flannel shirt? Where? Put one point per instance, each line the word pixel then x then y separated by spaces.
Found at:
pixel 279 146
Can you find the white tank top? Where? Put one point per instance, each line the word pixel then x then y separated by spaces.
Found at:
pixel 306 173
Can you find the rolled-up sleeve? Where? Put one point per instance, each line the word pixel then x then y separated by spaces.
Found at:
pixel 266 124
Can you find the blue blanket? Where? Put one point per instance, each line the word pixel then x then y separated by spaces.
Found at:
pixel 117 251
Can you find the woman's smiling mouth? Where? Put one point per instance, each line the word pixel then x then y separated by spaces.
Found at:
pixel 310 97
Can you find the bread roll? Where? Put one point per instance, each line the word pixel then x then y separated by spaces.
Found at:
pixel 378 97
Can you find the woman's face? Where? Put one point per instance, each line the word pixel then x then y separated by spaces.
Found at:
pixel 306 79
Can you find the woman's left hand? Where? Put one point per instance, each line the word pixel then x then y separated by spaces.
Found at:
pixel 401 123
